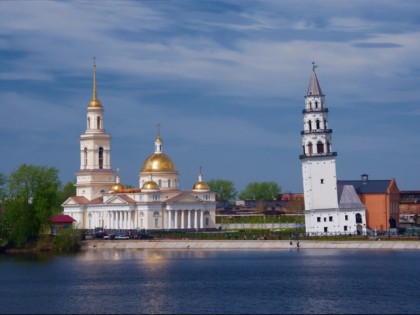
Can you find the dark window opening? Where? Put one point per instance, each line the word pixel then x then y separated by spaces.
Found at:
pixel 358 218
pixel 320 147
pixel 101 158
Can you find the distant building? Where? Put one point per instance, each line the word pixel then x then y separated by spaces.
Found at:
pixel 329 208
pixel 60 221
pixel 102 201
pixel 381 199
pixel 409 208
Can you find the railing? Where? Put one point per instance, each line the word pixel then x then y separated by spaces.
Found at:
pixel 315 110
pixel 317 155
pixel 316 131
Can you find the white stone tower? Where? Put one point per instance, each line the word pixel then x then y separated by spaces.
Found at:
pixel 318 160
pixel 328 210
pixel 95 176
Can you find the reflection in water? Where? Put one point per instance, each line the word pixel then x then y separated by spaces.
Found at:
pixel 211 282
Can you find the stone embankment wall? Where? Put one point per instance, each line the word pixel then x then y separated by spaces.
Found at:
pixel 247 244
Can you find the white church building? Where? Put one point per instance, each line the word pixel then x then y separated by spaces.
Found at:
pixel 102 201
pixel 330 209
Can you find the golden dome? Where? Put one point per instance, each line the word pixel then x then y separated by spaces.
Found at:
pixel 200 186
pixel 150 185
pixel 117 187
pixel 158 162
pixel 95 103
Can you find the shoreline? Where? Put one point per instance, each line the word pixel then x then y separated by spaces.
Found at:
pixel 247 244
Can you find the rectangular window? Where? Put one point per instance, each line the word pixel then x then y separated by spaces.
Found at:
pixel 346 217
pixel 345 228
pixel 325 219
pixel 325 229
pixel 330 218
pixel 318 219
pixel 322 181
pixel 156 222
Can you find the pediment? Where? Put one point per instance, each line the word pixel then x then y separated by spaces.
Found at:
pixel 75 201
pixel 119 199
pixel 184 198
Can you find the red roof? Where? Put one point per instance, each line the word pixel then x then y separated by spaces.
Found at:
pixel 62 218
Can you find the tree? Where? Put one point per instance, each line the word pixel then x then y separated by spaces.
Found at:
pixel 224 189
pixel 260 191
pixel 2 190
pixel 32 197
pixel 68 190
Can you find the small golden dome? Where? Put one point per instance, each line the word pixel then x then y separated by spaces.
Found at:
pixel 95 103
pixel 200 186
pixel 117 187
pixel 158 162
pixel 150 185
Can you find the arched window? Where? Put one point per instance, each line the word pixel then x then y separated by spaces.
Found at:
pixel 85 157
pixel 101 158
pixel 156 214
pixel 310 149
pixel 160 182
pixel 316 104
pixel 358 218
pixel 318 124
pixel 98 122
pixel 310 125
pixel 319 147
pixel 206 213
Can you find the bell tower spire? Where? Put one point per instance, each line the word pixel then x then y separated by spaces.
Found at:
pixel 95 175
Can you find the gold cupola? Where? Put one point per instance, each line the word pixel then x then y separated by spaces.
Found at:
pixel 118 187
pixel 150 185
pixel 158 161
pixel 200 185
pixel 94 102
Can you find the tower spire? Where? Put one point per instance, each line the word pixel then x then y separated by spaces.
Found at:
pixel 94 102
pixel 314 88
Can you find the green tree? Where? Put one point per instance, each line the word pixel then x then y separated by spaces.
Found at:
pixel 2 190
pixel 225 189
pixel 32 197
pixel 260 191
pixel 67 191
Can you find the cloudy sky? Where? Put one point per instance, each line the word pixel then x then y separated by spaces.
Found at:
pixel 225 79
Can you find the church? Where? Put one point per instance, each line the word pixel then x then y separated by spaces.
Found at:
pixel 102 201
pixel 331 207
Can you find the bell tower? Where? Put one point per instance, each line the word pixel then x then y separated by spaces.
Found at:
pixel 318 159
pixel 95 176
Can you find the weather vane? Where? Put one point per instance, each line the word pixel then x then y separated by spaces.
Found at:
pixel 314 66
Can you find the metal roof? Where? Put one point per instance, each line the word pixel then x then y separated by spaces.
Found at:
pixel 367 186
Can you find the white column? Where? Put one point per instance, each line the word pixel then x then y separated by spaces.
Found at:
pixel 201 219
pixel 189 219
pixel 196 219
pixel 176 218
pixel 168 219
pixel 182 219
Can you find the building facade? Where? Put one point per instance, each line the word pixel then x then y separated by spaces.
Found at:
pixel 329 208
pixel 102 201
pixel 381 199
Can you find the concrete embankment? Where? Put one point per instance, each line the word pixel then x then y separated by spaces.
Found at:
pixel 247 244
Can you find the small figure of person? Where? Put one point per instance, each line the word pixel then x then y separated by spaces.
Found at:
pixel 297 244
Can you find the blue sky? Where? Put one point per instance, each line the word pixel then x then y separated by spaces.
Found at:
pixel 225 79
